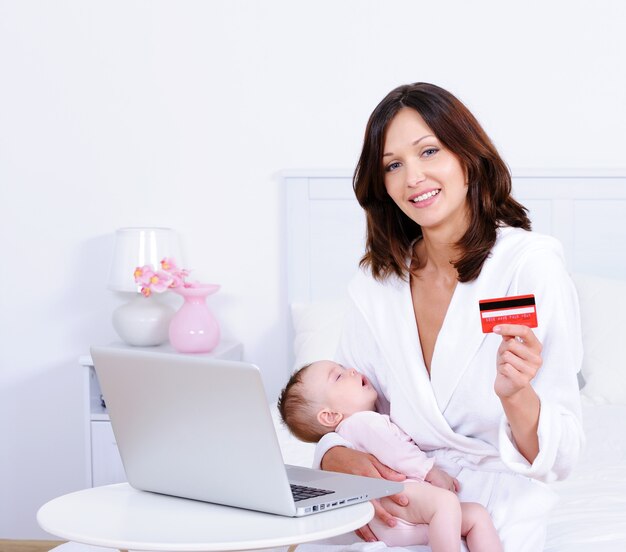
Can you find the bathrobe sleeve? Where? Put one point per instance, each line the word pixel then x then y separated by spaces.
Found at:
pixel 542 272
pixel 377 434
pixel 357 348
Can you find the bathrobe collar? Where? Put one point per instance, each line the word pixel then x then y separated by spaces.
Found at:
pixel 458 341
pixel 460 338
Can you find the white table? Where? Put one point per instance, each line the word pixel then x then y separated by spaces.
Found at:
pixel 118 516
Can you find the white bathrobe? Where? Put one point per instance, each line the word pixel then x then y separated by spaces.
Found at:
pixel 455 414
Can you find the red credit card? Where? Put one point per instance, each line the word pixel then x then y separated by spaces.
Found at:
pixel 520 309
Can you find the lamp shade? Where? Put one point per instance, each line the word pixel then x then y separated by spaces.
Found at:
pixel 138 247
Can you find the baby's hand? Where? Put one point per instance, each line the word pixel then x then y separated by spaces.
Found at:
pixel 440 478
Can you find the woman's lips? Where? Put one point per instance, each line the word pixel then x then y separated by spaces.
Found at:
pixel 425 198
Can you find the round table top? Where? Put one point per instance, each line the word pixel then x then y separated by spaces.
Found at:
pixel 119 516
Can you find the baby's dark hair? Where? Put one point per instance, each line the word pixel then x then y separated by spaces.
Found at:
pixel 298 412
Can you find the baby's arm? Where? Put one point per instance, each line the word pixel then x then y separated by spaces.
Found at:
pixel 375 433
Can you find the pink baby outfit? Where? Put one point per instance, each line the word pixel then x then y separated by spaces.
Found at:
pixel 376 434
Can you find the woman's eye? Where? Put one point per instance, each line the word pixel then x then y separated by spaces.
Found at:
pixel 392 166
pixel 430 152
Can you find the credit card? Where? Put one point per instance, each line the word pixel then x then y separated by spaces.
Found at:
pixel 520 309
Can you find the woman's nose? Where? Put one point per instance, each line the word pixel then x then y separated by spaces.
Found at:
pixel 414 174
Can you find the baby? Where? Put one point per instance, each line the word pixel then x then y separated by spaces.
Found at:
pixel 324 396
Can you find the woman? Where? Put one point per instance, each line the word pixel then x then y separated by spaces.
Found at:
pixel 499 411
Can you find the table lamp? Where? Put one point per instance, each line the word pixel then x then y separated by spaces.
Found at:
pixel 142 321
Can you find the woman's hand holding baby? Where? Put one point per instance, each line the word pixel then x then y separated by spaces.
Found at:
pixel 347 460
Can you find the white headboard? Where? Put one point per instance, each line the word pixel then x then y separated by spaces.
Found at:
pixel 585 210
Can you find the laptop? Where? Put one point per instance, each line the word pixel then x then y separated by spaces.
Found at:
pixel 201 428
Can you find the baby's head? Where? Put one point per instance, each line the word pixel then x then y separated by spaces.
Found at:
pixel 321 394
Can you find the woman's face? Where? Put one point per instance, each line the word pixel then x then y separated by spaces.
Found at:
pixel 423 178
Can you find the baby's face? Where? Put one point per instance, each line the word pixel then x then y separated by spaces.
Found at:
pixel 340 389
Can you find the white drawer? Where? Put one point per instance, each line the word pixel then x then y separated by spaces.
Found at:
pixel 106 464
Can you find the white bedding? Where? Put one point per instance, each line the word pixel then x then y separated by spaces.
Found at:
pixel 591 515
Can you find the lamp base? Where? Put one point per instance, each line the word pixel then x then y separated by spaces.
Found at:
pixel 143 321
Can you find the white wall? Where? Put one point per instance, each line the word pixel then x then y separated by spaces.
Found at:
pixel 183 114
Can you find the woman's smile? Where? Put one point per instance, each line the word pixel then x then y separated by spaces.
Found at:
pixel 424 199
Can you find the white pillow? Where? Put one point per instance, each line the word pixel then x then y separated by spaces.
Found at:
pixel 603 309
pixel 317 328
pixel 295 452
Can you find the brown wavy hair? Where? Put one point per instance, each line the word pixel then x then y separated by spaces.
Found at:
pixel 390 233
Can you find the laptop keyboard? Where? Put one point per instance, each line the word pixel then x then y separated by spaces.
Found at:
pixel 300 492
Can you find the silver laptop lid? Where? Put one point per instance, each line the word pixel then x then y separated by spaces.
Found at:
pixel 181 443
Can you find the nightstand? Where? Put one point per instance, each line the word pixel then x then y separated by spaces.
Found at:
pixel 103 463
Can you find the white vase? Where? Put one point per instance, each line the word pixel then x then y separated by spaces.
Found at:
pixel 143 321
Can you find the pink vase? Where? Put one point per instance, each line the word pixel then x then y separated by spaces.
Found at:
pixel 193 328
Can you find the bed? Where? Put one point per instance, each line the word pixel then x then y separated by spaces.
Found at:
pixel 586 210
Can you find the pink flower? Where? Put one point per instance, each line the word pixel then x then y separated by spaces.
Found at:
pixel 143 274
pixel 170 276
pixel 177 281
pixel 168 264
pixel 178 274
pixel 160 281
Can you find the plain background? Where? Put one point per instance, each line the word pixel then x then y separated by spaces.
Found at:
pixel 183 114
